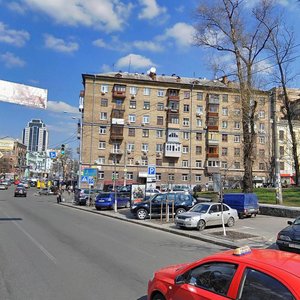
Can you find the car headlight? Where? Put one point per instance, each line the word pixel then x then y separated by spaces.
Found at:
pixel 284 237
pixel 188 219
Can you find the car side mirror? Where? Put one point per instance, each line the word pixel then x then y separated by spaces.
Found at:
pixel 180 279
pixel 290 222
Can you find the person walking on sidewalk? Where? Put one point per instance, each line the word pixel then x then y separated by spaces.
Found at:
pixel 58 198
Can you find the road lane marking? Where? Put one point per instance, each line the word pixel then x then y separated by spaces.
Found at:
pixel 47 253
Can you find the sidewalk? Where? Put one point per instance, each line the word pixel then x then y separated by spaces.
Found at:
pixel 259 232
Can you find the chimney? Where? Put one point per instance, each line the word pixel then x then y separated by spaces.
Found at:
pixel 224 80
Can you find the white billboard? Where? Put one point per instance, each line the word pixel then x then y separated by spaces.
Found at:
pixel 23 94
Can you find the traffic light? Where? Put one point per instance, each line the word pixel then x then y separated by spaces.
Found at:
pixel 62 149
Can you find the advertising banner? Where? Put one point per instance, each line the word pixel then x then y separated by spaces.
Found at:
pixel 7 145
pixel 23 94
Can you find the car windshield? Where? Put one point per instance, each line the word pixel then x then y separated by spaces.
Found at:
pixel 200 208
pixel 297 221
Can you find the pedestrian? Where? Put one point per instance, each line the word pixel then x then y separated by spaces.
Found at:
pixel 58 198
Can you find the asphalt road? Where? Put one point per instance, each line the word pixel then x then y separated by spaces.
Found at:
pixel 49 251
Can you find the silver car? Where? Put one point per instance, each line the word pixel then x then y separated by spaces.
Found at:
pixel 206 214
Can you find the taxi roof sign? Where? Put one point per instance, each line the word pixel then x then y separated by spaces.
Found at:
pixel 242 251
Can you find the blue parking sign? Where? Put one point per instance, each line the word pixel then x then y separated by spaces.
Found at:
pixel 52 154
pixel 151 171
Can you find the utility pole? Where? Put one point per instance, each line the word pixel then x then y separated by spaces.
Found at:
pixel 278 185
pixel 125 166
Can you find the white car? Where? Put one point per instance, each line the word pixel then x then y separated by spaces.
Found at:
pixel 207 214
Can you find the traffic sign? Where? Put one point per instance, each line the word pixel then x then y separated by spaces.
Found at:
pixel 151 171
pixel 91 181
pixel 52 154
pixel 84 178
pixel 92 172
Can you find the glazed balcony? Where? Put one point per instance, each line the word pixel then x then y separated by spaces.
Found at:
pixel 212 155
pixel 119 91
pixel 212 114
pixel 173 95
pixel 173 150
pixel 116 132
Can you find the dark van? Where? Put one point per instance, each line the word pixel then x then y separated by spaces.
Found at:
pixel 245 204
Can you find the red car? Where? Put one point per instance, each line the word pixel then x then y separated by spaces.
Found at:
pixel 242 274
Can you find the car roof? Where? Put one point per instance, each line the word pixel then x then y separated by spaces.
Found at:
pixel 265 258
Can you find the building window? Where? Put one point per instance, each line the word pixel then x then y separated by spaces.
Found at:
pixel 236 138
pixel 186 135
pixel 132 90
pixel 171 164
pixel 186 108
pixel 100 175
pixel 146 119
pixel 104 102
pixel 198 163
pixel 261 114
pixel 146 105
pixel 224 164
pixel 281 151
pixel 146 133
pixel 131 118
pixel 237 165
pixel 281 135
pixel 104 88
pixel 237 152
pixel 145 147
pixel 224 111
pixel 158 176
pixel 132 104
pixel 224 151
pixel 129 175
pixel 224 137
pixel 197 177
pixel 185 177
pixel 160 93
pixel 282 166
pixel 261 166
pixel 224 98
pixel 237 99
pixel 146 91
pixel 101 160
pixel 130 147
pixel 199 122
pixel 185 149
pixel 262 101
pixel 261 153
pixel 103 116
pixel 171 177
pixel 261 127
pixel 160 120
pixel 102 129
pixel 159 148
pixel 237 125
pixel 199 96
pixel 144 162
pixel 186 122
pixel 102 145
pixel 186 94
pixel 237 112
pixel 198 136
pixel 131 131
pixel 198 150
pixel 160 106
pixel 262 139
pixel 224 124
pixel 130 161
pixel 159 133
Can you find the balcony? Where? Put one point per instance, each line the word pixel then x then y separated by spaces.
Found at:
pixel 116 152
pixel 173 150
pixel 119 91
pixel 173 125
pixel 213 141
pixel 212 155
pixel 212 127
pixel 212 114
pixel 212 170
pixel 173 95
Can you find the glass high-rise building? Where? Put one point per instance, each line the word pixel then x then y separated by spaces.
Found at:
pixel 35 136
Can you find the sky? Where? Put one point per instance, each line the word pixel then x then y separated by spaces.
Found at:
pixel 49 44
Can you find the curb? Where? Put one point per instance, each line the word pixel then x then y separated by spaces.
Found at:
pixel 204 238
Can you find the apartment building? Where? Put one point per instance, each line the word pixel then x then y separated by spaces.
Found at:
pixel 189 128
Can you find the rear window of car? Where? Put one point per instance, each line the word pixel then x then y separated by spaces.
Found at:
pixel 104 196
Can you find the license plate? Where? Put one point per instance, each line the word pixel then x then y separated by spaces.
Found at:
pixel 21 192
pixel 100 200
pixel 294 246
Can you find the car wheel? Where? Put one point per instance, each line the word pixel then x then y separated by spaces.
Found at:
pixel 201 225
pixel 141 214
pixel 230 222
pixel 127 204
pixel 98 208
pixel 180 211
pixel 241 215
pixel 253 215
pixel 158 296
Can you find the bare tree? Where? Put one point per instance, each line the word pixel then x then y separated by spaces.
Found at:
pixel 227 26
pixel 281 45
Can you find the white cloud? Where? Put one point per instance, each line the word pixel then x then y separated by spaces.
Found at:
pixel 147 46
pixel 151 9
pixel 181 33
pixel 14 37
pixel 16 7
pixel 60 45
pixel 11 61
pixel 61 107
pixel 134 61
pixel 109 15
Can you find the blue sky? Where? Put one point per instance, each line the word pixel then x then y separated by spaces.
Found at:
pixel 50 43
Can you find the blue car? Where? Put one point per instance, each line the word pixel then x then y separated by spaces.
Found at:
pixel 107 200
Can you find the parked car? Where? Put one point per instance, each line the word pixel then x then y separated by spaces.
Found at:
pixel 289 237
pixel 107 200
pixel 3 186
pixel 81 196
pixel 20 191
pixel 207 214
pixel 234 274
pixel 46 192
pixel 182 203
pixel 245 204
